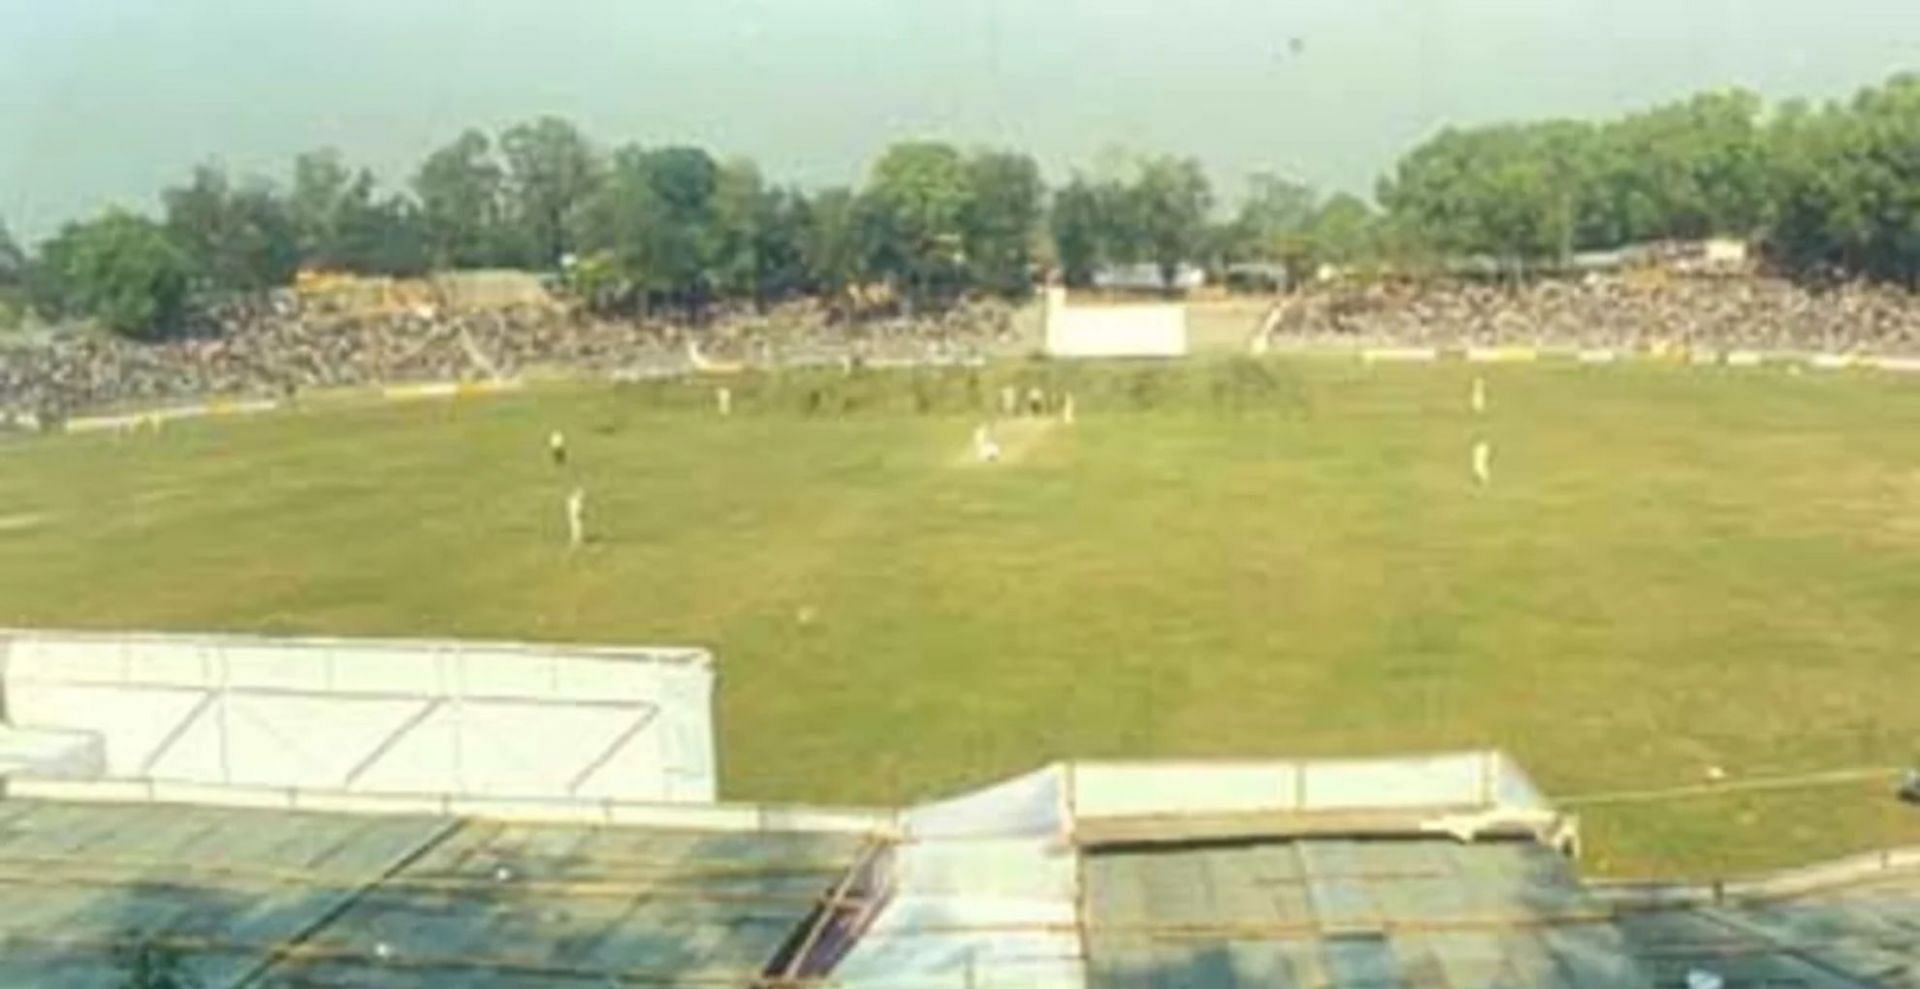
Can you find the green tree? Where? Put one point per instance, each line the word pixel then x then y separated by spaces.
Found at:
pixel 13 277
pixel 833 242
pixel 921 194
pixel 340 220
pixel 756 236
pixel 1275 212
pixel 1687 170
pixel 1079 225
pixel 683 237
pixel 1343 231
pixel 1846 185
pixel 1822 215
pixel 1528 192
pixel 120 269
pixel 1170 198
pixel 13 260
pixel 651 220
pixel 1004 204
pixel 386 236
pixel 240 239
pixel 616 224
pixel 780 251
pixel 741 209
pixel 1274 223
pixel 551 173
pixel 460 188
pixel 1517 193
pixel 322 194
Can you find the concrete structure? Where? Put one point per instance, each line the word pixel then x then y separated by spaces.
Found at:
pixel 372 716
pixel 254 861
pixel 1135 330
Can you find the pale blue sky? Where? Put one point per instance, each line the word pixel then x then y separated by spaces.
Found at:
pixel 104 101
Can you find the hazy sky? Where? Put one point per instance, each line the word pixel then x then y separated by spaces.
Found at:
pixel 104 101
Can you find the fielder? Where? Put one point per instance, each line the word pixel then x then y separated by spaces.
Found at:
pixel 986 449
pixel 576 518
pixel 1483 463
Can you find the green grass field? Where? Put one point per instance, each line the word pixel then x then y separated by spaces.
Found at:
pixel 1675 568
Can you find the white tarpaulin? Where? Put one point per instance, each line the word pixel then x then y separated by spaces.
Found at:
pixel 50 754
pixel 1033 806
pixel 973 913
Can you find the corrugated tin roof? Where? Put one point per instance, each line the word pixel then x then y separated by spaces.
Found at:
pixel 1345 913
pixel 274 898
pixel 987 891
pixel 1863 933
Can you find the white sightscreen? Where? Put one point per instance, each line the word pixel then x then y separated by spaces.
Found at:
pixel 472 719
pixel 1115 331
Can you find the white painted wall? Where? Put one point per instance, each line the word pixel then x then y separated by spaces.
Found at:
pixel 375 716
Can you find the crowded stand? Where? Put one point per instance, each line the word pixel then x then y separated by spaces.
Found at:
pixel 1622 313
pixel 276 348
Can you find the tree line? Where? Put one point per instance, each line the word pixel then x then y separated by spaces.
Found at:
pixel 638 228
pixel 1825 190
pixel 1830 188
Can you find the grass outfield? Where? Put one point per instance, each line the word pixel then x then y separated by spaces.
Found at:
pixel 1676 568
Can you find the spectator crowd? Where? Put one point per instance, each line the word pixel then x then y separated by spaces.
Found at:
pixel 1633 312
pixel 276 348
pixel 273 347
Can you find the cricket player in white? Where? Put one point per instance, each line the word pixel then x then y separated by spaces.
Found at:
pixel 1066 409
pixel 576 518
pixel 985 448
pixel 1479 397
pixel 723 400
pixel 1483 463
pixel 557 448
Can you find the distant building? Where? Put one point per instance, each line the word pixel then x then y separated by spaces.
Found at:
pixel 1725 254
pixel 1711 256
pixel 1144 276
pixel 1602 261
pixel 1257 276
